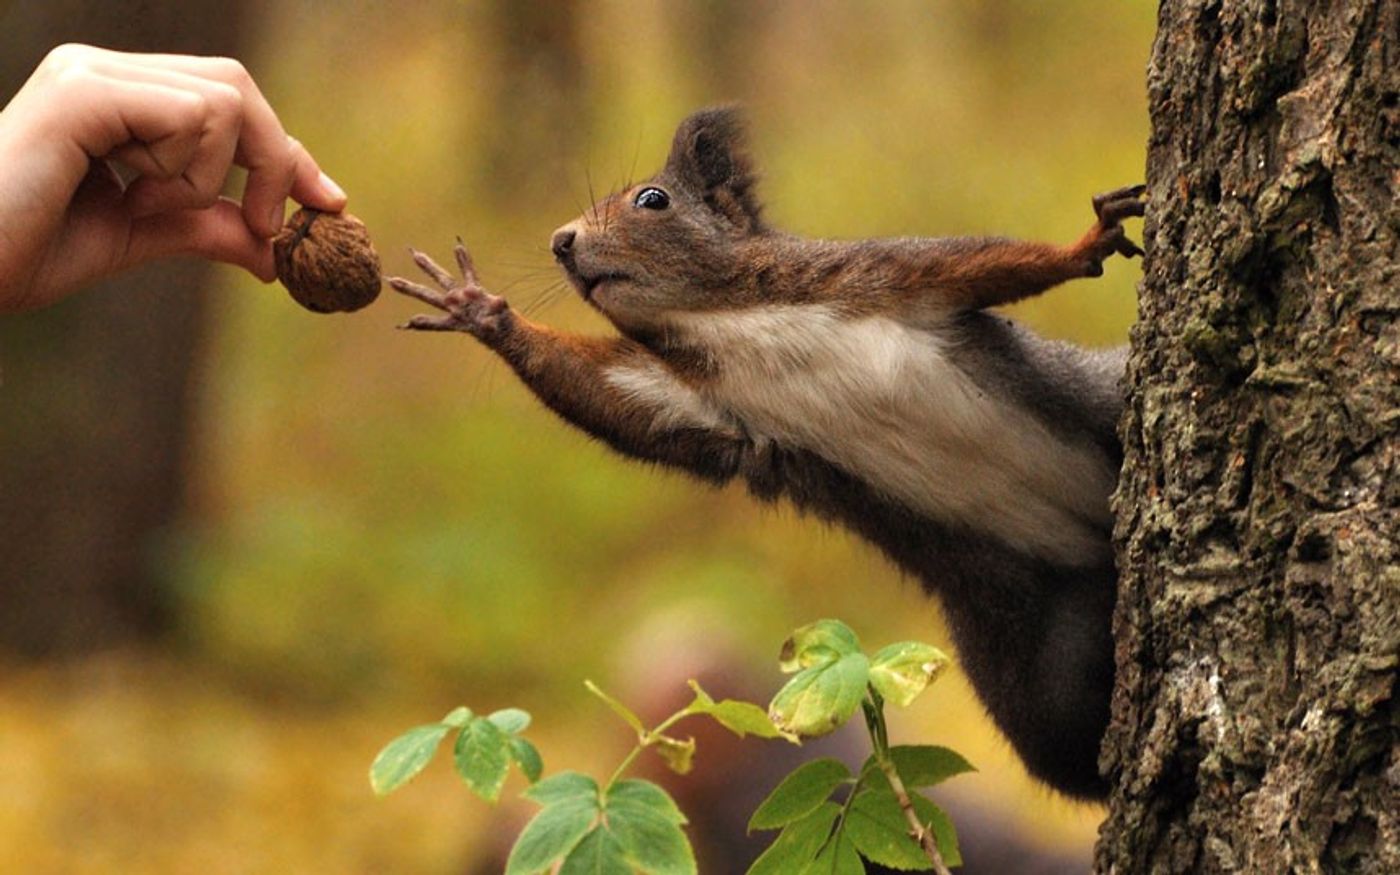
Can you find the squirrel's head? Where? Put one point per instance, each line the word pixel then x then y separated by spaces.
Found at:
pixel 670 243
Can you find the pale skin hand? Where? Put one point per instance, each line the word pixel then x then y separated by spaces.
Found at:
pixel 180 123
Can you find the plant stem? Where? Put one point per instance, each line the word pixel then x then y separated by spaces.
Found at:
pixel 645 739
pixel 626 761
pixel 879 737
pixel 920 832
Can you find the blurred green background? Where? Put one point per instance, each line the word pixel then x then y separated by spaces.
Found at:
pixel 367 527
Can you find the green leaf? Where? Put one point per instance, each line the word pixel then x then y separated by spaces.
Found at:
pixel 800 793
pixel 457 717
pixel 561 787
pixel 526 757
pixel 405 757
pixel 821 698
pixel 482 758
pixel 636 792
pixel 798 844
pixel 839 857
pixel 818 642
pixel 741 718
pixel 943 833
pixel 900 672
pixel 620 709
pixel 551 834
pixel 512 720
pixel 879 830
pixel 646 823
pixel 598 854
pixel 919 765
pixel 679 755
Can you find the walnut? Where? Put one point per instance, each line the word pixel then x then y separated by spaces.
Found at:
pixel 327 262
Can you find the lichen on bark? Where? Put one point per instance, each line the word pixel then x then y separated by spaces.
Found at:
pixel 1255 718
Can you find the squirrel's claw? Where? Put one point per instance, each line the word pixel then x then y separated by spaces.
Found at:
pixel 1120 203
pixel 464 262
pixel 414 290
pixel 431 268
pixel 1127 248
pixel 431 323
pixel 1107 237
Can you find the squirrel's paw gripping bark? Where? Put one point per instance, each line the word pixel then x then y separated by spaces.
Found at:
pixel 466 304
pixel 1107 236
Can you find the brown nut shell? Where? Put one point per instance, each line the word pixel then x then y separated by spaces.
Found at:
pixel 327 262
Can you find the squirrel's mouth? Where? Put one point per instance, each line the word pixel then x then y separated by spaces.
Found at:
pixel 589 283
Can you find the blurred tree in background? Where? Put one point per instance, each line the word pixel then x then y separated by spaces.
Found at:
pixel 536 94
pixel 98 392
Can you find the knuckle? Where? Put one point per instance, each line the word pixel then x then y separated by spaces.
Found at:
pixel 195 108
pixel 70 74
pixel 72 80
pixel 287 160
pixel 232 72
pixel 224 100
pixel 64 57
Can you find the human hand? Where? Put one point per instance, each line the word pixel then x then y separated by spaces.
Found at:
pixel 179 123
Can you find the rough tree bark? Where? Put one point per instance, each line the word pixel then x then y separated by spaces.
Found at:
pixel 1255 720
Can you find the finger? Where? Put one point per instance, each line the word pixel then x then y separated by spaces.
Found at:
pixel 414 290
pixel 297 176
pixel 199 182
pixel 464 261
pixel 1117 211
pixel 278 166
pixel 217 232
pixel 161 124
pixel 431 323
pixel 186 168
pixel 223 107
pixel 1126 192
pixel 431 268
pixel 310 185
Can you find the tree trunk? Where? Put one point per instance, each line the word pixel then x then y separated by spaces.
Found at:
pixel 96 395
pixel 1255 722
pixel 536 94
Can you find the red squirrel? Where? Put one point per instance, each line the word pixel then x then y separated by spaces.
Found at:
pixel 866 382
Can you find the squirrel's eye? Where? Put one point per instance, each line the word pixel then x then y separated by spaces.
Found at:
pixel 652 199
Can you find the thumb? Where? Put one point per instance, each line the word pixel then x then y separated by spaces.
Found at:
pixel 218 232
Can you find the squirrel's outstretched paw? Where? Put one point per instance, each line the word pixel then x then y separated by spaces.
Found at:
pixel 465 304
pixel 1107 237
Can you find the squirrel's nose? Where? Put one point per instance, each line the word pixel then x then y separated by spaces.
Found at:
pixel 563 242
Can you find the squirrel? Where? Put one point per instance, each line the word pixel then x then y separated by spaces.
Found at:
pixel 866 382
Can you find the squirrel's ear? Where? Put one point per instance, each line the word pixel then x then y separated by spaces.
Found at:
pixel 709 155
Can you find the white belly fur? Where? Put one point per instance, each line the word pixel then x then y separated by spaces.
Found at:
pixel 881 400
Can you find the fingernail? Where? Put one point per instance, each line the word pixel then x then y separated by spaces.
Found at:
pixel 275 218
pixel 329 187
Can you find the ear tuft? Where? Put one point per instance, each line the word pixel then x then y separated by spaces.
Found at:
pixel 709 155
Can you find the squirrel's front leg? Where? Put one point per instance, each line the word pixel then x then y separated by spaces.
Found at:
pixel 990 272
pixel 612 388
